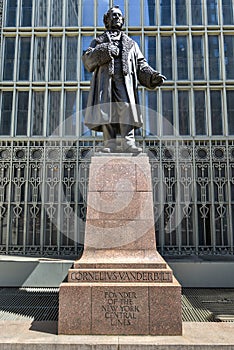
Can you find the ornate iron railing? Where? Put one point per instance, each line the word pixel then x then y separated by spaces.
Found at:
pixel 43 191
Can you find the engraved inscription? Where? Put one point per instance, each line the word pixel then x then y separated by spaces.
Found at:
pixel 121 276
pixel 120 308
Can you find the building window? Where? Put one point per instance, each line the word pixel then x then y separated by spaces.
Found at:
pixel 84 99
pixel 165 11
pixel 200 112
pixel 9 55
pixel 24 58
pixel 212 11
pixel 151 121
pixel 54 113
pixel 6 113
pixel 39 59
pixel 134 9
pixel 70 113
pixel 196 11
pixel 38 112
pixel 11 12
pixel 71 58
pixel 166 56
pixel 214 64
pixel 229 56
pixel 41 13
pixel 167 113
pixel 57 13
pixel 230 111
pixel 72 18
pixel 88 13
pixel 181 12
pixel 150 50
pixel 149 13
pixel 86 40
pixel 198 58
pixel 55 58
pixel 182 58
pixel 26 13
pixel 227 12
pixel 102 7
pixel 183 111
pixel 216 112
pixel 22 113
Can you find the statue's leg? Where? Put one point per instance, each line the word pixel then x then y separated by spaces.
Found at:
pixel 109 136
pixel 128 139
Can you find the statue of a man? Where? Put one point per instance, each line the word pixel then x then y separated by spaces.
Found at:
pixel 113 104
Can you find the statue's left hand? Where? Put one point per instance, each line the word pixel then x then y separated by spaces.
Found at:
pixel 158 79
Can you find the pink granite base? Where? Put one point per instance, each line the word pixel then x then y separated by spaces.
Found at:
pixel 121 285
pixel 129 309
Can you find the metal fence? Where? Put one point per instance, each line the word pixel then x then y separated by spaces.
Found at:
pixel 43 191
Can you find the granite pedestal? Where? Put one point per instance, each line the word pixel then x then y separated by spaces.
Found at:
pixel 121 285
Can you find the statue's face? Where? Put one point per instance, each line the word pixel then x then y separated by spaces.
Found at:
pixel 115 19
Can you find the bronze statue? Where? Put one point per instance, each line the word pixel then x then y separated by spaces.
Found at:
pixel 117 63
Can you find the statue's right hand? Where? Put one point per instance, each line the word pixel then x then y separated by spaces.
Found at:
pixel 114 50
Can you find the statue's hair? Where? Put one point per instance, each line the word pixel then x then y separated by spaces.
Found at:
pixel 106 15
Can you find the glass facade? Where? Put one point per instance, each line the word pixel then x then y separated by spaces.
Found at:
pixel 188 122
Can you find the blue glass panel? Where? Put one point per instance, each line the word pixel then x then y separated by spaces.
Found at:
pixel 198 58
pixel 214 61
pixel 165 11
pixel 88 13
pixel 55 58
pixel 230 111
pixel 9 54
pixel 167 113
pixel 39 59
pixel 227 11
pixel 216 112
pixel 183 105
pixel 151 113
pixel 38 106
pixel 137 39
pixel 182 58
pixel 150 50
pixel 72 13
pixel 71 58
pixel 57 13
pixel 70 113
pixel 86 40
pixel 24 58
pixel 196 10
pixel 134 9
pixel 149 13
pixel 181 12
pixel 166 54
pixel 11 11
pixel 212 11
pixel 41 13
pixel 229 55
pixel 26 13
pixel 54 113
pixel 84 99
pixel 200 112
pixel 103 6
pixel 6 112
pixel 22 113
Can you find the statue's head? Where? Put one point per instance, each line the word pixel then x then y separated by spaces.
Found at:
pixel 113 19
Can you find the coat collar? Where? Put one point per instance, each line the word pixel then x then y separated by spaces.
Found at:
pixel 127 44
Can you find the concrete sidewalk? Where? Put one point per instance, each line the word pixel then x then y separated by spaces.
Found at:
pixel 17 335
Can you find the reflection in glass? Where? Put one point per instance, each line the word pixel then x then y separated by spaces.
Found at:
pixel 198 58
pixel 230 111
pixel 212 11
pixel 227 11
pixel 134 10
pixel 86 40
pixel 151 113
pixel 56 13
pixel 24 58
pixel 181 12
pixel 213 44
pixel 196 11
pixel 85 131
pixel 167 113
pixel 11 11
pixel 103 6
pixel 72 13
pixel 216 112
pixel 6 112
pixel 229 56
pixel 200 112
pixel 183 106
pixel 150 50
pixel 22 113
pixel 70 113
pixel 182 58
pixel 9 54
pixel 55 58
pixel 39 59
pixel 149 13
pixel 166 54
pixel 71 58
pixel 54 113
pixel 41 11
pixel 87 13
pixel 26 13
pixel 38 112
pixel 165 10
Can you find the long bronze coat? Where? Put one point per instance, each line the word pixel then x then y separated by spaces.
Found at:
pixel 97 58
